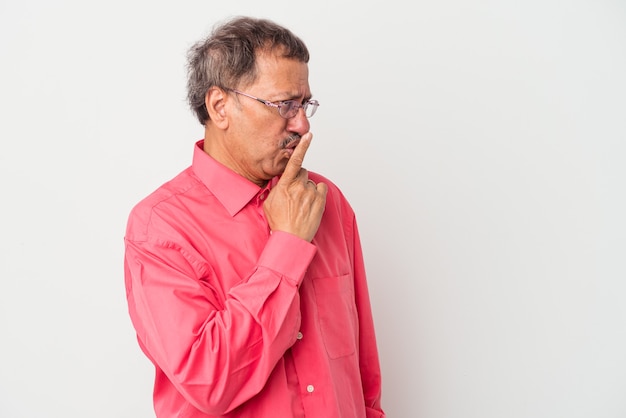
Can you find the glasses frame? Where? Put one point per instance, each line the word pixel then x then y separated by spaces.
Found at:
pixel 284 104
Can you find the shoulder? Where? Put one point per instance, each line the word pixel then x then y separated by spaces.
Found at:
pixel 335 195
pixel 318 178
pixel 164 199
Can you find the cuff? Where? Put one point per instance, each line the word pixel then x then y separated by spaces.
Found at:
pixel 288 255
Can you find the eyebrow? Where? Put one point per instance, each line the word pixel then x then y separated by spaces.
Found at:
pixel 292 97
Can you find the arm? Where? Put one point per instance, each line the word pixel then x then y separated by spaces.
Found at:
pixel 368 352
pixel 218 352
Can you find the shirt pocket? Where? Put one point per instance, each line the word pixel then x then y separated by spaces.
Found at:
pixel 334 297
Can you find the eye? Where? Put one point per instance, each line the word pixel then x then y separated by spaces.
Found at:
pixel 289 108
pixel 290 105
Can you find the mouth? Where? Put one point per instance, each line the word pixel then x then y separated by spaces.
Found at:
pixel 290 143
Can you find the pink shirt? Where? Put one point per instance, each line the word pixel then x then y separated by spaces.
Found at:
pixel 241 322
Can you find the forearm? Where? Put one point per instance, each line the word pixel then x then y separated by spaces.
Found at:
pixel 232 356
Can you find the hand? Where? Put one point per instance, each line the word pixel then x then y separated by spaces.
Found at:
pixel 296 204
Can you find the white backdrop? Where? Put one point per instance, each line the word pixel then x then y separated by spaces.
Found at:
pixel 481 143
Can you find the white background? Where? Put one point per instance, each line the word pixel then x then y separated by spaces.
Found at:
pixel 481 143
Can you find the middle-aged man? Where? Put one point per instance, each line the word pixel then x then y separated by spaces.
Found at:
pixel 244 273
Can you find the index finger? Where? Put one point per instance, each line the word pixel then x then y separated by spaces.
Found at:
pixel 297 158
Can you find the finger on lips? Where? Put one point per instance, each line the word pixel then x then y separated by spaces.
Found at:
pixel 294 165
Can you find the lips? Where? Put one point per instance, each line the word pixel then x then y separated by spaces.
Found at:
pixel 291 143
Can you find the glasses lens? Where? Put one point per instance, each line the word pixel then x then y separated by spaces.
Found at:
pixel 310 107
pixel 288 109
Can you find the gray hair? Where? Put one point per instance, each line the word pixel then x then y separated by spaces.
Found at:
pixel 227 57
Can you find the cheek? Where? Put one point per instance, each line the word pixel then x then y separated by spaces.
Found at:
pixel 271 140
pixel 263 137
pixel 261 149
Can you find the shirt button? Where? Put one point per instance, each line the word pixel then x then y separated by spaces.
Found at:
pixel 310 388
pixel 262 196
pixel 299 336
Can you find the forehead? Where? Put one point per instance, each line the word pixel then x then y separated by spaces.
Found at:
pixel 281 75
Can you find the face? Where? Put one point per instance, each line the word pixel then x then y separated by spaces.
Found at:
pixel 258 141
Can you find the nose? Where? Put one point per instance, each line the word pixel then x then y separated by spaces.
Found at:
pixel 299 123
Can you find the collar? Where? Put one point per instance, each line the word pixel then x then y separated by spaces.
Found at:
pixel 231 189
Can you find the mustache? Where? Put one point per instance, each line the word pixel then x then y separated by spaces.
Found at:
pixel 289 140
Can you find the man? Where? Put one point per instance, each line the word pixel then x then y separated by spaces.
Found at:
pixel 244 274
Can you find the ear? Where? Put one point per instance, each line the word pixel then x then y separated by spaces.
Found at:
pixel 215 102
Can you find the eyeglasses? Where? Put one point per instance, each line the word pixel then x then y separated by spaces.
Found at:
pixel 286 108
